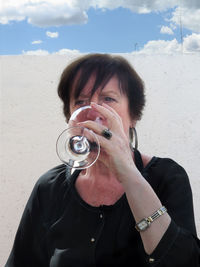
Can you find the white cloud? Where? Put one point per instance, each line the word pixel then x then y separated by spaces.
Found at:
pixel 191 44
pixel 190 18
pixel 66 51
pixel 192 4
pixel 139 6
pixel 160 47
pixel 37 42
pixel 44 13
pixel 173 26
pixel 166 30
pixel 38 52
pixel 52 34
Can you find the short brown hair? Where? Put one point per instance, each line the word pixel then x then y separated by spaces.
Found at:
pixel 104 66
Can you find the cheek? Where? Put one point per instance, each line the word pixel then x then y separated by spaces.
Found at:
pixel 71 109
pixel 126 128
pixel 125 120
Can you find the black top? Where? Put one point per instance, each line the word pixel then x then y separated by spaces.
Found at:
pixel 59 229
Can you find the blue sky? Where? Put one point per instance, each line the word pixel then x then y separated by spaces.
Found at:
pixel 45 27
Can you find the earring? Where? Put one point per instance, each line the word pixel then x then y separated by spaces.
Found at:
pixel 133 135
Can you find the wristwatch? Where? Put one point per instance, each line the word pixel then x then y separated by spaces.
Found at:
pixel 146 222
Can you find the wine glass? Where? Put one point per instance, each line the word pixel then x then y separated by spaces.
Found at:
pixel 77 146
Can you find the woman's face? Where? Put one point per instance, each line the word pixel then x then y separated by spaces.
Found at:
pixel 110 95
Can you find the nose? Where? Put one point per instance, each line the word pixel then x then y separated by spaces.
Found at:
pixel 93 115
pixel 95 99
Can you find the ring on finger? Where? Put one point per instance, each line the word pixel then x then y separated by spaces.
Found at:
pixel 106 133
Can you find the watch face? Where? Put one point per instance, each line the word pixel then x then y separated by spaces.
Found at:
pixel 143 225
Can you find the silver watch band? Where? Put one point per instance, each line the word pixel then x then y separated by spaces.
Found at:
pixel 157 214
pixel 145 223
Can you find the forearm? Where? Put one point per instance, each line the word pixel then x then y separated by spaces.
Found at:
pixel 143 202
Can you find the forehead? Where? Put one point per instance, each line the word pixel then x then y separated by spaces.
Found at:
pixel 87 89
pixel 93 85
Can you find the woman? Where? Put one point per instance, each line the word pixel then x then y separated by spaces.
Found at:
pixel 128 209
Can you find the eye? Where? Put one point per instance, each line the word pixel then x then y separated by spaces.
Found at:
pixel 80 102
pixel 108 99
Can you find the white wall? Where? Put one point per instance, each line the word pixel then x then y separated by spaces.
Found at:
pixel 31 120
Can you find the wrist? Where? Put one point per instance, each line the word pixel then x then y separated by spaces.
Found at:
pixel 130 177
pixel 145 223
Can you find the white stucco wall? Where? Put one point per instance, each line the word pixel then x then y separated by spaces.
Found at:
pixel 31 120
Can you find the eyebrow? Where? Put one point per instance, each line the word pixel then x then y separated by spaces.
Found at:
pixel 102 92
pixel 110 92
pixel 82 95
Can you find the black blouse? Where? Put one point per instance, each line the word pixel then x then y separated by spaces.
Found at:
pixel 59 229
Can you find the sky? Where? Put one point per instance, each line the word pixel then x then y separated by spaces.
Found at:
pixel 42 27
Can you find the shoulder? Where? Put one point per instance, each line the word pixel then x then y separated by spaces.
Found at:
pixel 55 175
pixel 163 165
pixel 160 163
pixel 168 165
pixel 49 192
pixel 166 173
pixel 52 184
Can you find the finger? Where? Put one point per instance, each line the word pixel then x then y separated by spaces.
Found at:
pixel 114 121
pixel 99 132
pixel 92 125
pixel 72 123
pixel 105 110
pixel 111 109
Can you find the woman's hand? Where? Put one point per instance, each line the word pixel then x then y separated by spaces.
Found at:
pixel 115 152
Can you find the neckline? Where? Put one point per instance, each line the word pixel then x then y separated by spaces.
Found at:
pixel 95 208
pixel 74 176
pixel 152 160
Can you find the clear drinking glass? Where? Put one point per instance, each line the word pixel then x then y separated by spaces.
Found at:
pixel 77 146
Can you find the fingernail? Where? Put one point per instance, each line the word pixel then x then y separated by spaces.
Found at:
pixel 93 104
